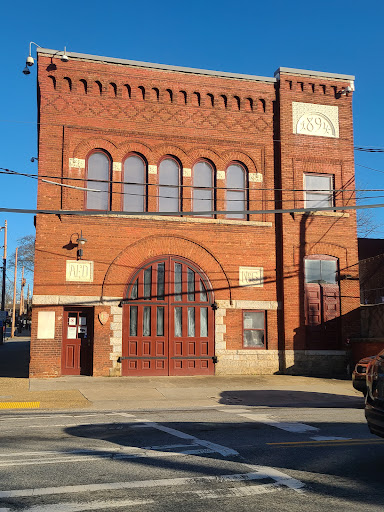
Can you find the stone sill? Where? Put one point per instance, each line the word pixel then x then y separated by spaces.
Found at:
pixel 325 214
pixel 201 220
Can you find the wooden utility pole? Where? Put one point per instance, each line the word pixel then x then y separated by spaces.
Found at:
pixel 2 334
pixel 4 267
pixel 28 299
pixel 14 298
pixel 21 310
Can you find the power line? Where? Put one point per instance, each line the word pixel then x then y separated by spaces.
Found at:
pixel 370 168
pixel 109 213
pixel 41 176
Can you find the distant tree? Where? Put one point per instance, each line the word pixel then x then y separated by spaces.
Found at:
pixel 366 224
pixel 25 253
pixel 366 221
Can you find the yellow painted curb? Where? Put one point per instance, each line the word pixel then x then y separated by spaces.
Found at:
pixel 19 405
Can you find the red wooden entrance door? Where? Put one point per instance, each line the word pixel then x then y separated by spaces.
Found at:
pixel 168 321
pixel 77 346
pixel 322 315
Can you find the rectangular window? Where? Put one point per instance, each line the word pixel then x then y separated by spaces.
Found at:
pixel 318 190
pixel 253 329
pixel 320 271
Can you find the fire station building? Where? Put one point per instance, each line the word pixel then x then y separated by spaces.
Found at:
pixel 163 241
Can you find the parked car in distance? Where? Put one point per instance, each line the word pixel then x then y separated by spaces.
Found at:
pixel 359 374
pixel 374 399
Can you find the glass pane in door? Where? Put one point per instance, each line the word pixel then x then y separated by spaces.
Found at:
pixel 191 322
pixel 178 322
pixel 160 321
pixel 147 321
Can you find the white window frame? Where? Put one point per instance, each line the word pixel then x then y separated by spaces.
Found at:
pixel 320 192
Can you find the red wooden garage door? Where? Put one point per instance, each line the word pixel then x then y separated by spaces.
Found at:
pixel 168 321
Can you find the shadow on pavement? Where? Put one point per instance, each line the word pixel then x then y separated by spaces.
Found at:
pixel 14 357
pixel 289 398
pixel 325 470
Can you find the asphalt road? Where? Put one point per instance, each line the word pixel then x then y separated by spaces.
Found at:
pixel 224 458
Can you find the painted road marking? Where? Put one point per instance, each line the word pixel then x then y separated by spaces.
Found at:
pixel 238 492
pixel 298 428
pixel 331 438
pixel 87 455
pixel 69 415
pixel 347 442
pixel 259 473
pixel 223 450
pixel 79 507
pixel 279 477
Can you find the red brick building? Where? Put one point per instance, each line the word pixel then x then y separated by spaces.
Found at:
pixel 222 283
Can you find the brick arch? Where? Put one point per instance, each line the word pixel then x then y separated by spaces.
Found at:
pixel 230 156
pixel 87 145
pixel 166 149
pixel 197 153
pixel 134 255
pixel 133 147
pixel 337 251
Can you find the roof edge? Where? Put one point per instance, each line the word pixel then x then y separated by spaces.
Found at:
pixel 164 67
pixel 306 72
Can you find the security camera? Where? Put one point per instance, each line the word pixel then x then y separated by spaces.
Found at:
pixel 30 61
pixel 64 57
pixel 346 90
pixel 26 71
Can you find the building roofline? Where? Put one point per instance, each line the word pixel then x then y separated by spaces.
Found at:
pixel 165 67
pixel 306 72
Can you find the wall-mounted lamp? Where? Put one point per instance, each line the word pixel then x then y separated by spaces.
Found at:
pixel 34 158
pixel 80 243
pixel 30 60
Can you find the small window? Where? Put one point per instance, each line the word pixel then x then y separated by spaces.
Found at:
pixel 203 188
pixel 318 190
pixel 236 192
pixel 253 329
pixel 134 187
pixel 98 176
pixel 169 186
pixel 320 271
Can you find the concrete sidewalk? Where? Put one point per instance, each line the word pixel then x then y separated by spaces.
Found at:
pixel 148 393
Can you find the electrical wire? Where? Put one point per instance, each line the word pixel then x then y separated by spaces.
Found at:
pixel 41 176
pixel 179 213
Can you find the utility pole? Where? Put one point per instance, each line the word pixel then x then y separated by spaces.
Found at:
pixel 28 299
pixel 21 310
pixel 14 298
pixel 4 267
pixel 4 274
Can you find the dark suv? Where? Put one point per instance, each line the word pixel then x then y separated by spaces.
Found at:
pixel 374 402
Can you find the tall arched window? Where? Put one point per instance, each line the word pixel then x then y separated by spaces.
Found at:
pixel 134 188
pixel 236 191
pixel 98 177
pixel 203 188
pixel 169 186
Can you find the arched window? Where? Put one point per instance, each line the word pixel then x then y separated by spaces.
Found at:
pixel 236 191
pixel 169 186
pixel 203 188
pixel 98 177
pixel 134 188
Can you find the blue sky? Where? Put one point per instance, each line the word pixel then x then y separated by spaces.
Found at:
pixel 248 37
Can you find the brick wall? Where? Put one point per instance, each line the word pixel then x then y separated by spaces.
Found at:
pixel 88 105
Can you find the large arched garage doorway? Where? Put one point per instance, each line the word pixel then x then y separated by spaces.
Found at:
pixel 168 320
